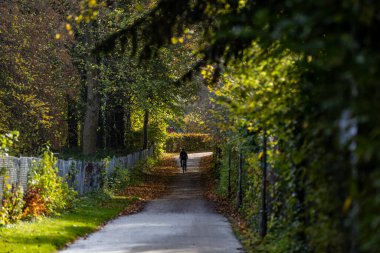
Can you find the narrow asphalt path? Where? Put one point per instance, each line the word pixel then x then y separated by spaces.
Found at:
pixel 181 222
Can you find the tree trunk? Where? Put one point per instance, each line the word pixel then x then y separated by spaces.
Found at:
pixel 118 127
pixel 145 129
pixel 128 128
pixel 240 179
pixel 263 209
pixel 128 120
pixel 72 123
pixel 229 173
pixel 102 140
pixel 91 117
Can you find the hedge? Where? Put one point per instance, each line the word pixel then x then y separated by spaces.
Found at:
pixel 188 141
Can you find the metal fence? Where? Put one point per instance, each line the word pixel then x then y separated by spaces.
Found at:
pixel 83 176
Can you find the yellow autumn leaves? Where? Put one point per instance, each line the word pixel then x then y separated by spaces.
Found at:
pixel 69 30
pixel 179 40
pixel 176 40
pixel 207 73
pixel 92 3
pixel 89 11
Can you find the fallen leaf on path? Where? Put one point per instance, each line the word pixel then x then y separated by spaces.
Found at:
pixel 155 184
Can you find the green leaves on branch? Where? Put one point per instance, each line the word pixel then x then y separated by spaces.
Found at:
pixel 7 140
pixel 12 203
pixel 261 91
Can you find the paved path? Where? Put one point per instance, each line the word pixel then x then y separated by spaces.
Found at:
pixel 181 222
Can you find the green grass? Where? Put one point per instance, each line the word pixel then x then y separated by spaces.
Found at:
pixel 51 234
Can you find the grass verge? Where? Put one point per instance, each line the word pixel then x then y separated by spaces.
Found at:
pixel 89 213
pixel 50 234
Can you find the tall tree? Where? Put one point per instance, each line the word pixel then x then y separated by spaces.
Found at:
pixel 37 73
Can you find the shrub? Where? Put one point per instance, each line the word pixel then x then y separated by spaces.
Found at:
pixel 118 179
pixel 34 203
pixel 12 199
pixel 189 141
pixel 11 204
pixel 49 193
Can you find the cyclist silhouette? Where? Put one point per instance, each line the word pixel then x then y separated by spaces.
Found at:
pixel 183 157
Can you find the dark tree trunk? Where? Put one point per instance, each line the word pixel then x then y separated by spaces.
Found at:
pixel 128 129
pixel 240 181
pixel 118 127
pixel 128 120
pixel 145 129
pixel 102 128
pixel 300 179
pixel 263 208
pixel 91 117
pixel 72 124
pixel 92 108
pixel 229 173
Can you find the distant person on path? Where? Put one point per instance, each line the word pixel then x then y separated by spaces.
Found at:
pixel 183 157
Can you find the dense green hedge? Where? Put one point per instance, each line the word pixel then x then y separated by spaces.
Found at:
pixel 188 141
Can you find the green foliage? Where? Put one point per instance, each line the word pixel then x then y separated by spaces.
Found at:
pixel 12 196
pixel 142 168
pixel 12 203
pixel 188 141
pixel 127 88
pixel 193 123
pixel 157 135
pixel 52 103
pixel 44 184
pixel 118 179
pixel 7 141
pixel 328 154
pixel 262 92
pixel 121 177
